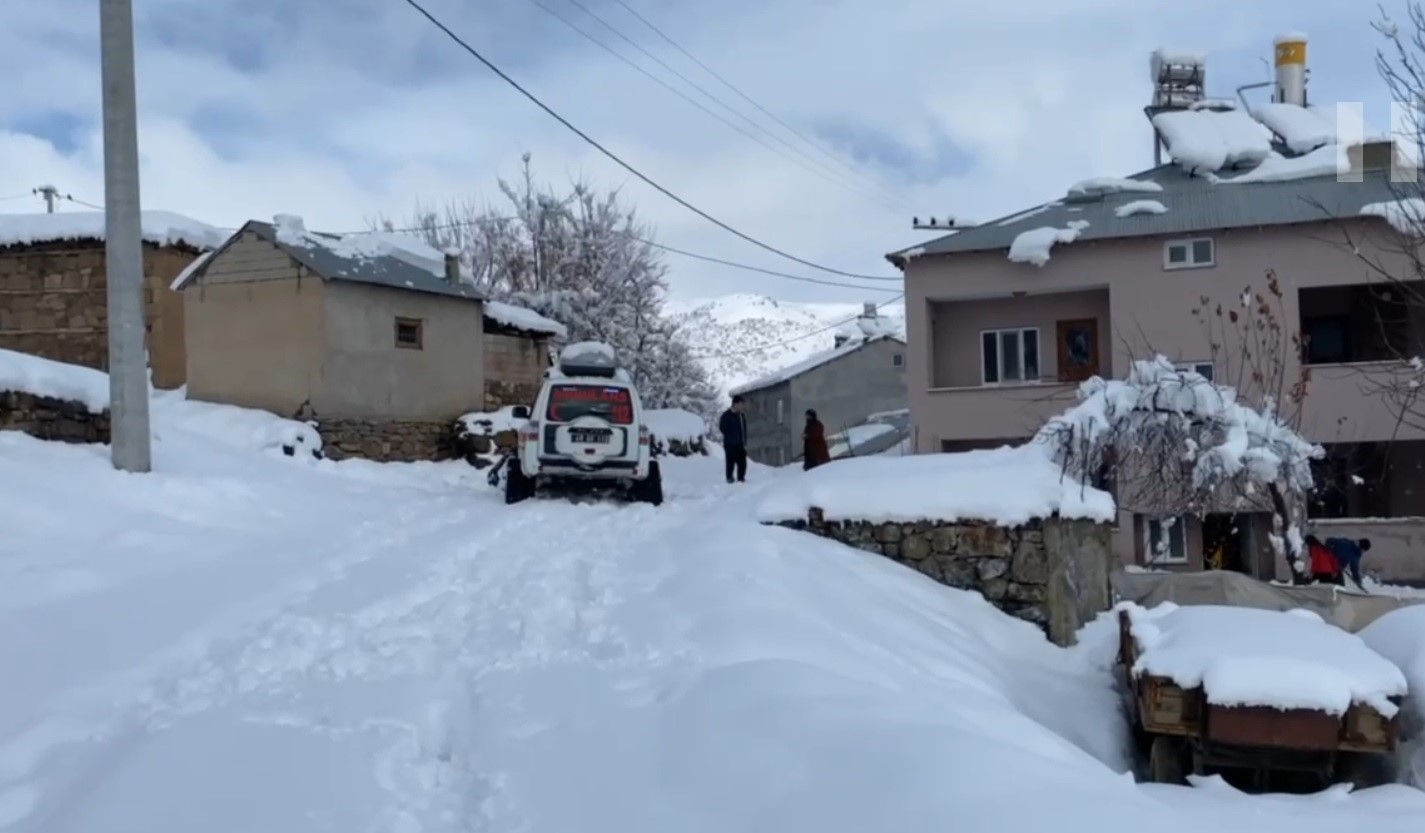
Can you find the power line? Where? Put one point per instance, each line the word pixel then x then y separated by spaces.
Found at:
pixel 17 196
pixel 726 83
pixel 855 179
pixel 820 172
pixel 802 337
pixel 434 21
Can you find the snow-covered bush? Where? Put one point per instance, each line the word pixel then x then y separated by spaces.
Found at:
pixel 1167 437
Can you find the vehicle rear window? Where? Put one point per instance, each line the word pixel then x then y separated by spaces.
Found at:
pixel 569 402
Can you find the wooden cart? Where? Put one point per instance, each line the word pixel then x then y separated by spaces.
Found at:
pixel 1180 733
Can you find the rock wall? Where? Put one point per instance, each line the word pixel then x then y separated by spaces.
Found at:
pixel 387 441
pixel 54 303
pixel 1053 573
pixel 47 418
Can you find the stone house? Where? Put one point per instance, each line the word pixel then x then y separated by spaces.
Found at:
pixel 1002 329
pixel 864 374
pixel 375 336
pixel 54 292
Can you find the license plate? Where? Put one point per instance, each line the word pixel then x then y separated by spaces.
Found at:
pixel 591 437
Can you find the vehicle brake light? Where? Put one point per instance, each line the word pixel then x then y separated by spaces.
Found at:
pixel 530 432
pixel 644 438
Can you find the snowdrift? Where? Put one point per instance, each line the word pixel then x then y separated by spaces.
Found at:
pixel 1399 636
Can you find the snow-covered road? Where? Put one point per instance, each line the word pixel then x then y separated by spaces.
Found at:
pixel 244 643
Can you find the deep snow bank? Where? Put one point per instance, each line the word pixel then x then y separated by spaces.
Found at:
pixel 1399 636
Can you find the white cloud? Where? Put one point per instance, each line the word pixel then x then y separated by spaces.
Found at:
pixel 341 111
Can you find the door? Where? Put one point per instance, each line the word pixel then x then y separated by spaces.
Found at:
pixel 1078 349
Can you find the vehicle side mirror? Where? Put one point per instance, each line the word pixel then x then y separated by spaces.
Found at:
pixel 520 412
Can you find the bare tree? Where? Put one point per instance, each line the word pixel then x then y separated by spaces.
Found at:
pixel 1169 440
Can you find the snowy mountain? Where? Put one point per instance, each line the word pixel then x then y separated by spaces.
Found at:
pixel 746 336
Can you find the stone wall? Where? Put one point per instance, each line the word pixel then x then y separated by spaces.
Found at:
pixel 47 418
pixel 387 441
pixel 1053 573
pixel 514 369
pixel 54 303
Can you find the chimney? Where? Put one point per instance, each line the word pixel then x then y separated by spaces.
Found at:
pixel 1291 68
pixel 868 310
pixel 452 266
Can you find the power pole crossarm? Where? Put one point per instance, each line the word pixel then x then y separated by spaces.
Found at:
pixel 123 246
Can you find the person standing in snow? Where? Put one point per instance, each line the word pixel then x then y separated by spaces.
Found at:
pixel 1348 555
pixel 814 450
pixel 733 427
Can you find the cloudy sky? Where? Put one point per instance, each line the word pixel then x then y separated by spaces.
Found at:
pixel 341 109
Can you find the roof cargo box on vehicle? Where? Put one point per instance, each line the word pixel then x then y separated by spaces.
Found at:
pixel 588 359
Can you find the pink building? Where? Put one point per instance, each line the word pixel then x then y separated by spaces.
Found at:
pixel 1005 319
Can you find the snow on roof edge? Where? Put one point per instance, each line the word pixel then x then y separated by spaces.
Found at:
pixel 522 318
pixel 161 228
pixel 810 363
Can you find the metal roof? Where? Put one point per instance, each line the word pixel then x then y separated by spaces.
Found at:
pixel 380 270
pixel 1194 204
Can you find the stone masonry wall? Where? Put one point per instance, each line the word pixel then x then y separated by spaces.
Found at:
pixel 514 369
pixel 54 303
pixel 1053 573
pixel 47 418
pixel 390 441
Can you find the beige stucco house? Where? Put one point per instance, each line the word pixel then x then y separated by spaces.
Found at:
pixel 54 288
pixel 375 336
pixel 997 345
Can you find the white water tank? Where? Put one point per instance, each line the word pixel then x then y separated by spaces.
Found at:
pixel 1291 68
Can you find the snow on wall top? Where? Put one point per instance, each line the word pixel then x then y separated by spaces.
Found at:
pixel 43 377
pixel 161 228
pixel 1008 486
pixel 794 370
pixel 523 319
pixel 1250 657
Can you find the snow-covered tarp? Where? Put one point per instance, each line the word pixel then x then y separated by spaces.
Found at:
pixel 1009 486
pixel 1033 245
pixel 811 363
pixel 523 319
pixel 1206 140
pixel 161 228
pixel 1248 657
pixel 675 424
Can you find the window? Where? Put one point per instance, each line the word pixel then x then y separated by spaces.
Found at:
pixel 1165 541
pixel 409 333
pixel 1009 355
pixel 1203 369
pixel 569 402
pixel 1327 339
pixel 781 415
pixel 1189 254
pixel 898 360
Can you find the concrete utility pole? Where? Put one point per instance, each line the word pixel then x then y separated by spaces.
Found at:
pixel 50 193
pixel 123 247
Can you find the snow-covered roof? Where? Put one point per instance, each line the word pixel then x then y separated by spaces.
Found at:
pixel 161 228
pixel 795 370
pixel 1009 486
pixel 1249 657
pixel 379 258
pixel 1033 245
pixel 520 318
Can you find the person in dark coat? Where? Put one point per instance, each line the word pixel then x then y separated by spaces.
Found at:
pixel 814 450
pixel 1348 554
pixel 733 427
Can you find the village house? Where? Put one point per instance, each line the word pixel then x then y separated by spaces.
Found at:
pixel 375 336
pixel 863 374
pixel 1005 319
pixel 54 290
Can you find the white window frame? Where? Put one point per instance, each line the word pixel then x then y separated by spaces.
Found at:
pixel 781 413
pixel 1196 367
pixel 1177 534
pixel 1188 244
pixel 999 356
